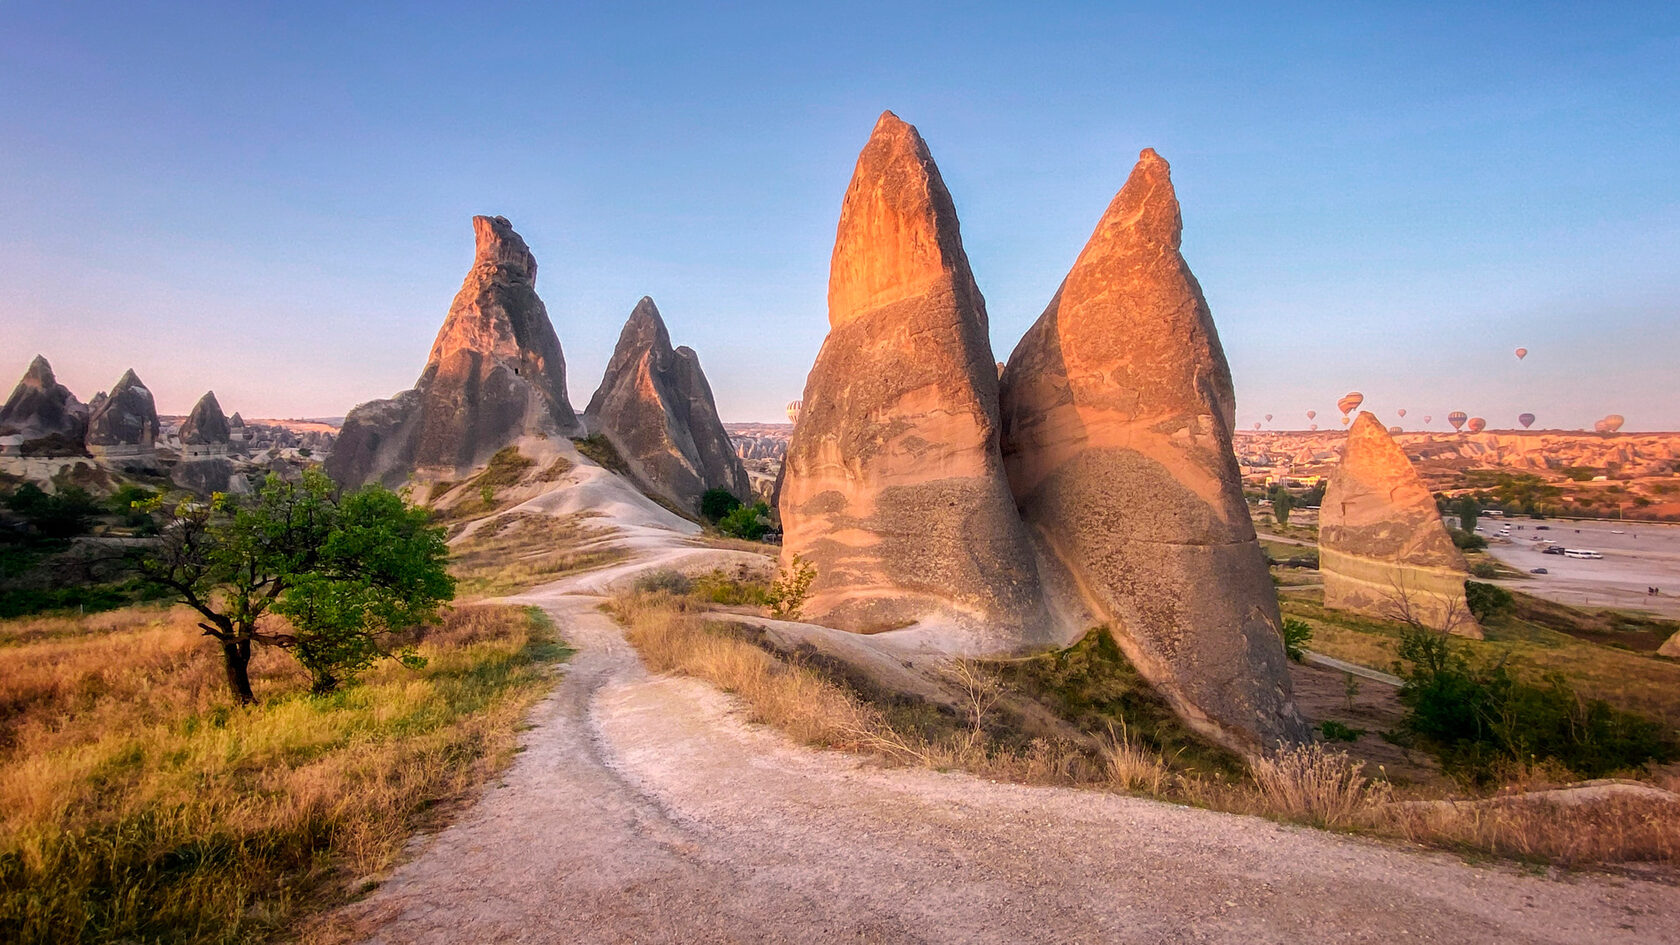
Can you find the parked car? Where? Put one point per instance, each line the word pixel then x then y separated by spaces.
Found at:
pixel 1554 550
pixel 1542 528
pixel 1538 571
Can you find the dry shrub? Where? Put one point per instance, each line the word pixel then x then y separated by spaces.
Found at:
pixel 1316 785
pixel 1133 766
pixel 1613 829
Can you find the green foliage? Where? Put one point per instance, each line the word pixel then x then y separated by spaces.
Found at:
pixel 1467 541
pixel 747 521
pixel 53 516
pixel 1468 510
pixel 718 587
pixel 663 581
pixel 1334 731
pixel 1581 473
pixel 791 588
pixel 1487 601
pixel 1484 568
pixel 1282 504
pixel 1478 719
pixel 716 503
pixel 1296 635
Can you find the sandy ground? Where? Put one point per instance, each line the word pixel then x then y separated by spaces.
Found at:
pixel 643 809
pixel 1637 555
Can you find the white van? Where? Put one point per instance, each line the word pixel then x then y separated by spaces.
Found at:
pixel 1580 553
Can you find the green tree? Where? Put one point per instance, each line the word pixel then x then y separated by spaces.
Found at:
pixel 1282 504
pixel 1468 510
pixel 716 503
pixel 748 521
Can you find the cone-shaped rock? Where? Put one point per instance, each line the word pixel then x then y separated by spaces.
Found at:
pixel 125 422
pixel 495 373
pixel 1118 412
pixel 893 487
pixel 655 406
pixel 206 428
pixel 48 418
pixel 1382 547
pixel 1671 648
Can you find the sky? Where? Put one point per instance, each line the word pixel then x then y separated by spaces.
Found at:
pixel 273 200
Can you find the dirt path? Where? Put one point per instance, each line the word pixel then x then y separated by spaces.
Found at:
pixel 645 810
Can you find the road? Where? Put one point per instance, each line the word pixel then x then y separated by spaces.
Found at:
pixel 644 809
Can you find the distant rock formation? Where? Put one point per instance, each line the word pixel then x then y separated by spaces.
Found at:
pixel 496 373
pixel 655 406
pixel 1382 547
pixel 1118 411
pixel 125 421
pixel 205 431
pixel 42 417
pixel 893 486
pixel 1671 648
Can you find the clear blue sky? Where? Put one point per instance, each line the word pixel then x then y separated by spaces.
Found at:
pixel 272 200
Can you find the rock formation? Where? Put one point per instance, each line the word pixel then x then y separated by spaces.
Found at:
pixel 495 373
pixel 42 417
pixel 893 486
pixel 124 422
pixel 205 431
pixel 1382 547
pixel 1118 410
pixel 655 406
pixel 1671 648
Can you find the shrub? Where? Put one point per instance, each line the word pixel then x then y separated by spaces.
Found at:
pixel 1467 541
pixel 664 581
pixel 1484 569
pixel 1334 731
pixel 1296 635
pixel 748 521
pixel 716 503
pixel 1320 786
pixel 1487 601
pixel 791 588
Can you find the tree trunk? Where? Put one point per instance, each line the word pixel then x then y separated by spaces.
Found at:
pixel 236 657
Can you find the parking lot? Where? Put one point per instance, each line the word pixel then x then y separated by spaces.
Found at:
pixel 1637 556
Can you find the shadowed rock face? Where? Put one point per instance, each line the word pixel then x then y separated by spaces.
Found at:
pixel 206 426
pixel 1117 409
pixel 50 419
pixel 495 373
pixel 893 487
pixel 126 420
pixel 1382 547
pixel 655 406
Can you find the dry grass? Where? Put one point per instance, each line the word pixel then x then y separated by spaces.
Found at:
pixel 1608 831
pixel 518 551
pixel 1319 786
pixel 138 803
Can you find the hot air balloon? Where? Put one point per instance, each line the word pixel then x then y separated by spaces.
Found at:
pixel 1613 422
pixel 1351 402
pixel 1526 419
pixel 1401 411
pixel 793 410
pixel 1268 418
pixel 1346 420
pixel 1256 425
pixel 1311 414
pixel 1457 418
pixel 1522 353
pixel 1395 430
pixel 1312 426
pixel 1427 420
pixel 1476 425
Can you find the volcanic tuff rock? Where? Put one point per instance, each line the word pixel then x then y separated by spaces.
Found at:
pixel 1117 409
pixel 655 406
pixel 893 487
pixel 495 373
pixel 125 421
pixel 206 427
pixel 1382 547
pixel 50 420
pixel 1670 648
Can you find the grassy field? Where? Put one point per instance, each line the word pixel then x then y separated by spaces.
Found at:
pixel 513 552
pixel 140 804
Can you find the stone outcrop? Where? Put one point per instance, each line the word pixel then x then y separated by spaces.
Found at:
pixel 125 421
pixel 496 373
pixel 655 406
pixel 205 431
pixel 1117 411
pixel 1671 648
pixel 1382 547
pixel 42 417
pixel 893 487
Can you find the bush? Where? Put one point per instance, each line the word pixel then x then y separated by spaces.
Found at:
pixel 1296 635
pixel 1467 541
pixel 1334 731
pixel 716 503
pixel 664 580
pixel 1487 601
pixel 748 521
pixel 791 588
pixel 1479 720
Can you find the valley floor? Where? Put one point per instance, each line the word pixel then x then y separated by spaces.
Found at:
pixel 643 809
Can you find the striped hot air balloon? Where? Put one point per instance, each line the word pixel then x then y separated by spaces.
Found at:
pixel 1350 402
pixel 793 410
pixel 1457 418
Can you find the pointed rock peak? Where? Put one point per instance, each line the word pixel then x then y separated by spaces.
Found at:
pixel 645 327
pixel 898 227
pixel 501 247
pixel 128 380
pixel 236 420
pixel 40 373
pixel 1145 211
pixel 1371 450
pixel 206 423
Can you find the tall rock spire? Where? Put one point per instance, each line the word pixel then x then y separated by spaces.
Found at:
pixel 126 421
pixel 496 372
pixel 1383 549
pixel 893 487
pixel 44 413
pixel 1118 409
pixel 656 407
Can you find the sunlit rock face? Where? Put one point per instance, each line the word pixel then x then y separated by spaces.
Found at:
pixel 496 373
pixel 893 487
pixel 1382 547
pixel 125 422
pixel 42 417
pixel 1117 409
pixel 656 407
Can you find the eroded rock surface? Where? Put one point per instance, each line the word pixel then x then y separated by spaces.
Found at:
pixel 125 422
pixel 656 407
pixel 893 486
pixel 1382 547
pixel 1118 410
pixel 43 415
pixel 206 428
pixel 496 372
